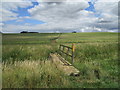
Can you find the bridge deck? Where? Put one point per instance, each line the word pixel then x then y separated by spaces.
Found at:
pixel 64 66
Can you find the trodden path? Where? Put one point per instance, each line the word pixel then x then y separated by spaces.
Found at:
pixel 63 65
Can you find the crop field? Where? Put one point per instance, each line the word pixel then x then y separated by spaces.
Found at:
pixel 26 62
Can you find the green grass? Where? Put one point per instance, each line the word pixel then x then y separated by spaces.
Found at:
pixel 44 38
pixel 29 74
pixel 26 52
pixel 96 56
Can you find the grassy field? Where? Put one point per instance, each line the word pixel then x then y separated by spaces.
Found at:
pixel 26 61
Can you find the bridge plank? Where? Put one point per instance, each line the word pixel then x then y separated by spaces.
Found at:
pixel 68 69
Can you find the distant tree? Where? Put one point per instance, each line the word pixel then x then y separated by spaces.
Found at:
pixel 24 32
pixel 27 32
pixel 33 32
pixel 74 32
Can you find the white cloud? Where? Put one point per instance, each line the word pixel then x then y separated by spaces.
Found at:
pixel 62 0
pixel 66 26
pixel 1 24
pixel 62 16
pixel 108 14
pixel 7 7
pixel 69 16
pixel 54 12
pixel 7 15
pixel 107 7
pixel 107 0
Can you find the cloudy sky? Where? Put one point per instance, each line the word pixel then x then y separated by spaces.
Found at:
pixel 59 16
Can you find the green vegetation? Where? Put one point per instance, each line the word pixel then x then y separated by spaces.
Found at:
pixel 26 61
pixel 29 74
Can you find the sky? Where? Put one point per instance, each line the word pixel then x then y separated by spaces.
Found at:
pixel 49 16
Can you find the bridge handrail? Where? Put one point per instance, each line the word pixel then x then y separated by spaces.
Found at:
pixel 62 49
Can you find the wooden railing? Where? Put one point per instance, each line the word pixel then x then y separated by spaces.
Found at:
pixel 68 51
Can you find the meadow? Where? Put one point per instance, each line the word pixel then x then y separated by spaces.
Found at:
pixel 26 62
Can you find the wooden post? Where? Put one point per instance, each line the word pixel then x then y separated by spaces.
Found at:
pixel 73 49
pixel 60 47
pixel 67 53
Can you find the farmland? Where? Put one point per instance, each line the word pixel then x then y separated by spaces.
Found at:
pixel 26 62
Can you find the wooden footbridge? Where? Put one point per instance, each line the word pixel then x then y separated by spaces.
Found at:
pixel 62 64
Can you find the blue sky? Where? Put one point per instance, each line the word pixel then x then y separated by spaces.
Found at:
pixel 91 7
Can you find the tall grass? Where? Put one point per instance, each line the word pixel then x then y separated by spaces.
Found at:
pixel 29 74
pixel 96 51
pixel 29 52
pixel 98 63
pixel 26 62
